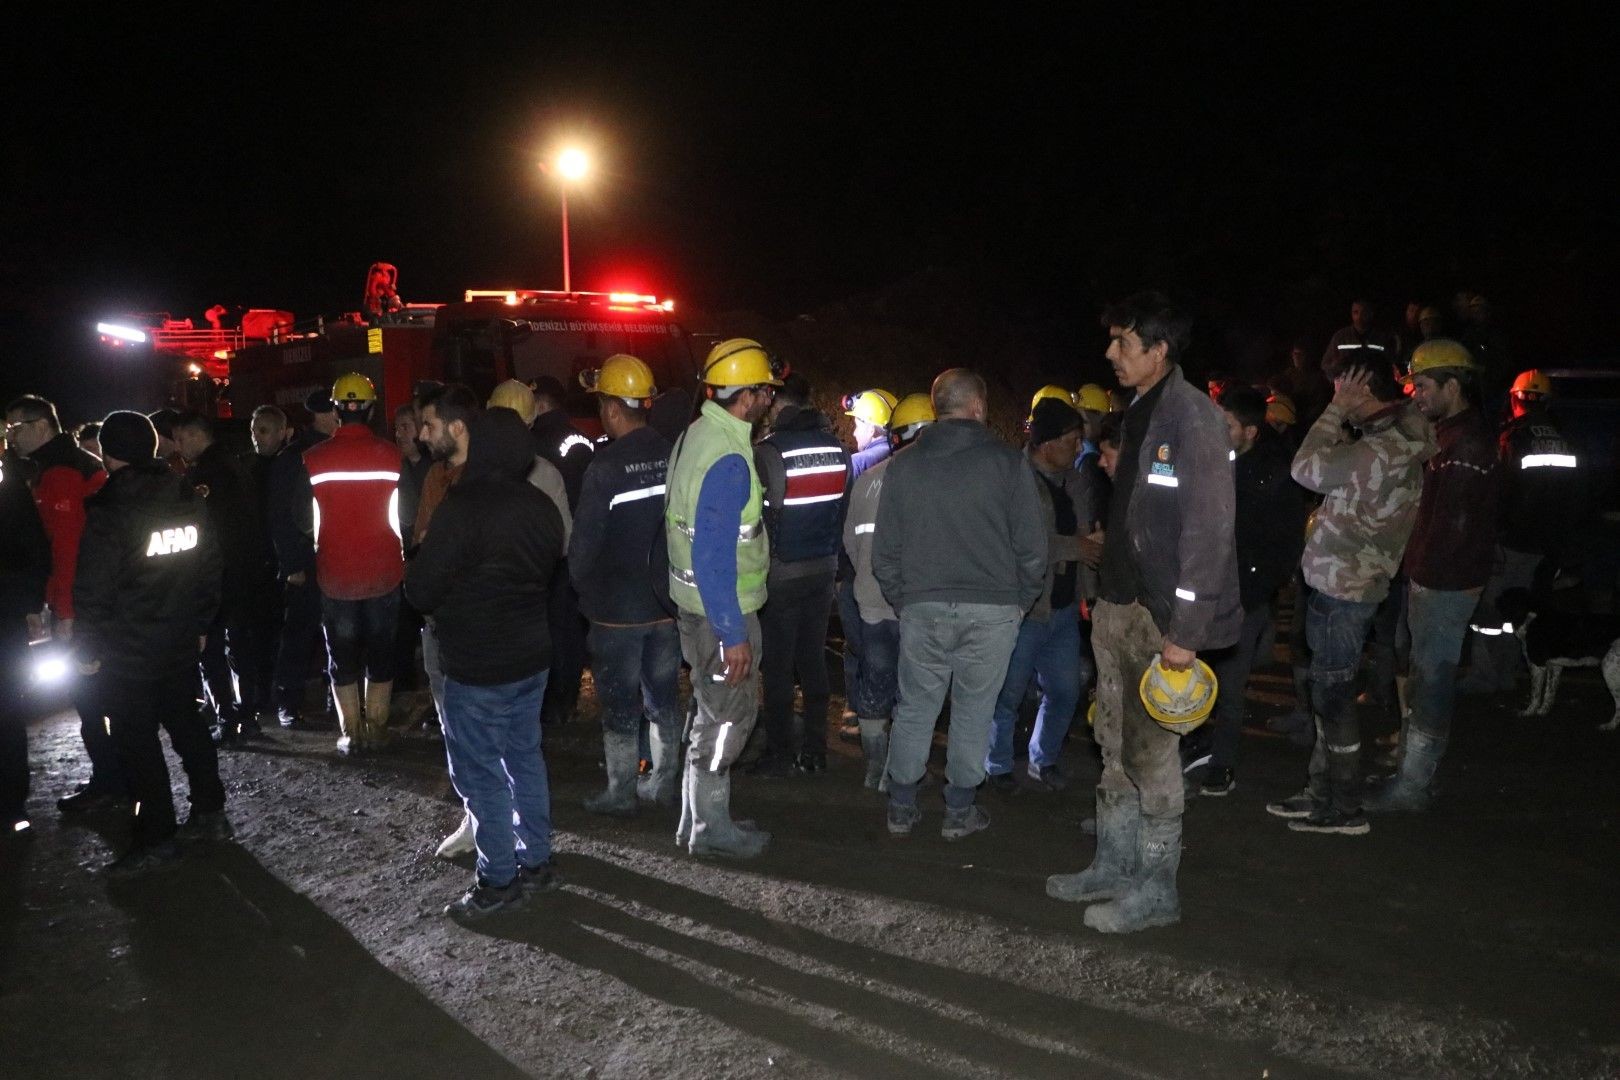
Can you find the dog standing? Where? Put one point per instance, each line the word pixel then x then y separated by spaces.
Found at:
pixel 1555 640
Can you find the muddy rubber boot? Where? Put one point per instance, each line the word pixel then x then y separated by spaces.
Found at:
pixel 1152 899
pixel 623 756
pixel 875 745
pixel 351 719
pixel 379 699
pixel 683 831
pixel 713 831
pixel 1119 819
pixel 658 786
pixel 1412 788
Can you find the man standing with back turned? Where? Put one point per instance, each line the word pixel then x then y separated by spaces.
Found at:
pixel 1169 591
pixel 960 552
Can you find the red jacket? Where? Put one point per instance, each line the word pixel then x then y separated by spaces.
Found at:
pixel 355 478
pixel 68 475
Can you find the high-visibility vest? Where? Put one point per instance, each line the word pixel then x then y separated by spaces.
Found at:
pixel 354 476
pixel 712 436
pixel 809 523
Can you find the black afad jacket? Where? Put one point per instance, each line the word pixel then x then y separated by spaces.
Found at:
pixel 148 579
pixel 1181 520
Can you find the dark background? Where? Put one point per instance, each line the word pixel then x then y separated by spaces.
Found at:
pixel 1007 171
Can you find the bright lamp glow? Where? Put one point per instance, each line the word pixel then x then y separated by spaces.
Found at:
pixel 122 333
pixel 50 669
pixel 572 164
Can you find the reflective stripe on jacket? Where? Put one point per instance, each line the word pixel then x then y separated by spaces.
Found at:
pixel 354 476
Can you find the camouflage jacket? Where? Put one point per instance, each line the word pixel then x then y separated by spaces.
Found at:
pixel 1371 487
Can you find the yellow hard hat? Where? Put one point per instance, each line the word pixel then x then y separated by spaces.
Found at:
pixel 514 395
pixel 1092 398
pixel 874 406
pixel 912 409
pixel 1280 409
pixel 1050 391
pixel 1532 384
pixel 621 376
pixel 1178 700
pixel 353 391
pixel 1438 354
pixel 741 362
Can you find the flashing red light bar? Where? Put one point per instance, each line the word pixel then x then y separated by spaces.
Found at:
pixel 121 333
pixel 618 301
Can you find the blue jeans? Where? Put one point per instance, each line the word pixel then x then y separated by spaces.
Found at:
pixel 492 739
pixel 1337 630
pixel 1051 652
pixel 637 671
pixel 875 686
pixel 962 650
pixel 1438 622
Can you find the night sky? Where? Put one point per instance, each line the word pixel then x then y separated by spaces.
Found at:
pixel 1265 166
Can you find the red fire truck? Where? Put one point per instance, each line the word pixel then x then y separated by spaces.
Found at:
pixel 489 336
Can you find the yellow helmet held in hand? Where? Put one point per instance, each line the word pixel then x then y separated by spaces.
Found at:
pixel 1532 385
pixel 874 406
pixel 1178 700
pixel 741 362
pixel 353 391
pixel 1092 398
pixel 1439 354
pixel 621 376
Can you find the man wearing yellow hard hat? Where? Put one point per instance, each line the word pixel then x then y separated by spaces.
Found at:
pixel 719 556
pixel 871 410
pixel 635 648
pixel 1447 563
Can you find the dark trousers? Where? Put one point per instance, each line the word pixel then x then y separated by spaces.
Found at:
pixel 849 619
pixel 793 625
pixel 89 696
pixel 360 637
pixel 233 664
pixel 13 719
pixel 568 628
pixel 1232 667
pixel 1338 632
pixel 295 652
pixel 405 642
pixel 137 708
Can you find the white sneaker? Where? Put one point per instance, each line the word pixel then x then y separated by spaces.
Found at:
pixel 459 842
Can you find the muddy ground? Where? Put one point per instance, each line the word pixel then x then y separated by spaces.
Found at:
pixel 1480 940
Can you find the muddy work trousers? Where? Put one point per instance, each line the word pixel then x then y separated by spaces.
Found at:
pixel 1140 758
pixel 725 714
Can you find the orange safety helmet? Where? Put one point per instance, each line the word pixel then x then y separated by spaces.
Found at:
pixel 1532 385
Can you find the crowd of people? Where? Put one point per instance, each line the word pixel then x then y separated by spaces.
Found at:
pixel 1129 560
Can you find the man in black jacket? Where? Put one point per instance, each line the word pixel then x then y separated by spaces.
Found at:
pixel 558 441
pixel 146 592
pixel 25 565
pixel 805 473
pixel 959 551
pixel 230 663
pixel 1169 591
pixel 635 646
pixel 481 573
pixel 1270 533
pixel 288 504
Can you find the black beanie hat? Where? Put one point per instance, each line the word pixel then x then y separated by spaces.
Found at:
pixel 1050 419
pixel 128 436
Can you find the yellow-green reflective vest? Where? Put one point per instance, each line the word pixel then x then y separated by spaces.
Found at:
pixel 712 436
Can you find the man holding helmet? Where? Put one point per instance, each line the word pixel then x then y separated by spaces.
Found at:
pixel 1169 591
pixel 359 560
pixel 635 647
pixel 719 556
